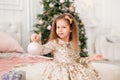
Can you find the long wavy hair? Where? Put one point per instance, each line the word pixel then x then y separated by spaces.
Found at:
pixel 74 36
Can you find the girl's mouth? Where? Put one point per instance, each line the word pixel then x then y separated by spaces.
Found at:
pixel 60 34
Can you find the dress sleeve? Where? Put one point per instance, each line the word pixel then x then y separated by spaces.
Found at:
pixel 47 48
pixel 84 60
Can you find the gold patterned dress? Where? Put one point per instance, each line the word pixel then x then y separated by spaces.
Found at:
pixel 66 65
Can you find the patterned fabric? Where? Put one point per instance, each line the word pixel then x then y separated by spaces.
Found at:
pixel 66 65
pixel 14 75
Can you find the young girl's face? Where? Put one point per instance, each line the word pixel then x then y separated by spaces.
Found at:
pixel 63 29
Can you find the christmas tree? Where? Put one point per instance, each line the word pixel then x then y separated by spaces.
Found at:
pixel 52 8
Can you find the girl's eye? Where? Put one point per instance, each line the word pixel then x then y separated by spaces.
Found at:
pixel 58 27
pixel 64 27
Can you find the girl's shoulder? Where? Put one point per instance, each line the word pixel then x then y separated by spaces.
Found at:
pixel 51 42
pixel 59 42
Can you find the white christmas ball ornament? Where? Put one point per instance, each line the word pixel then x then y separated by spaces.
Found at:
pixel 34 48
pixel 49 27
pixel 62 1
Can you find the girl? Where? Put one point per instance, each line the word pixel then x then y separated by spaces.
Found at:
pixel 64 45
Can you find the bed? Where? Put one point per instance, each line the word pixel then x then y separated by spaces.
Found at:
pixel 11 51
pixel 107 42
pixel 13 55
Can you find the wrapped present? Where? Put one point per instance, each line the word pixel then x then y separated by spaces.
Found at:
pixel 14 75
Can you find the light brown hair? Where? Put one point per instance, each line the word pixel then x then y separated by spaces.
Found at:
pixel 74 36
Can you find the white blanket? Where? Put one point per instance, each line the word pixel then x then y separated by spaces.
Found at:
pixel 107 71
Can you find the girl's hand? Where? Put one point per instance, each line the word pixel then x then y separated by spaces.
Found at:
pixel 96 57
pixel 35 38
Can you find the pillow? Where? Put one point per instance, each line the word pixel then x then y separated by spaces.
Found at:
pixel 113 38
pixel 9 44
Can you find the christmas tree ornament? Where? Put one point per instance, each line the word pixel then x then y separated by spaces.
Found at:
pixel 41 22
pixel 62 1
pixel 71 8
pixel 82 32
pixel 51 5
pixel 49 27
pixel 34 48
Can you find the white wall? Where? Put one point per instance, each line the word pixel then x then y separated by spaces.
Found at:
pixel 102 13
pixel 108 13
pixel 17 11
pixel 86 10
pixel 98 13
pixel 35 9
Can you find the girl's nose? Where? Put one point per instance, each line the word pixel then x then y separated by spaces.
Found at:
pixel 60 29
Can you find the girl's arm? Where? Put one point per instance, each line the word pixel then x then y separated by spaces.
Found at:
pixel 91 58
pixel 41 49
pixel 96 57
pixel 47 48
pixel 84 60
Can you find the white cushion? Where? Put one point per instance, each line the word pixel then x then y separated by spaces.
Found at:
pixel 115 38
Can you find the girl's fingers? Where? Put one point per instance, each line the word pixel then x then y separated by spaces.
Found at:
pixel 35 37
